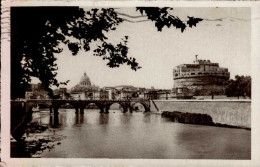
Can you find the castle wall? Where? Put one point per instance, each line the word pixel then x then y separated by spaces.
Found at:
pixel 204 84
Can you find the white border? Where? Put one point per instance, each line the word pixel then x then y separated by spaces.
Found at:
pixel 255 65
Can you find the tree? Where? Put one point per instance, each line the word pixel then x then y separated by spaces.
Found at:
pixel 37 32
pixel 241 86
pixel 247 87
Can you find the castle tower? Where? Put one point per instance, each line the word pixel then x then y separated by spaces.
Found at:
pixel 200 78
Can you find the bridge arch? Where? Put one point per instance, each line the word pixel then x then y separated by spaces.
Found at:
pixel 146 107
pixel 80 105
pixel 85 104
pixel 30 104
pixel 47 105
pixel 121 104
pixel 95 103
pixel 42 105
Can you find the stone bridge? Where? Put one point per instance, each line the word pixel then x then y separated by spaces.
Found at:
pixel 21 111
pixel 80 105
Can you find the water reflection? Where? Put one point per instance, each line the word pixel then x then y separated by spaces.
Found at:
pixel 223 142
pixel 126 118
pixel 103 119
pixel 54 121
pixel 142 135
pixel 147 118
pixel 79 119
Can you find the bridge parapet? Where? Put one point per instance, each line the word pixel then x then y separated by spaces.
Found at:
pixel 104 105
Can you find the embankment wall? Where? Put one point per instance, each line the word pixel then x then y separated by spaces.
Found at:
pixel 230 112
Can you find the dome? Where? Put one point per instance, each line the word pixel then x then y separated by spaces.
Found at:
pixel 85 80
pixel 84 85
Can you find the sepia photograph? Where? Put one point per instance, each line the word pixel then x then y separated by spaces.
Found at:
pixel 130 82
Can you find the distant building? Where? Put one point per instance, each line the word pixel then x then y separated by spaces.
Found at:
pixel 61 93
pixel 158 94
pixel 126 91
pixel 36 91
pixel 103 94
pixel 200 78
pixel 78 96
pixel 84 90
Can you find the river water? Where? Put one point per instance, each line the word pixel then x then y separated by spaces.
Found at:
pixel 139 135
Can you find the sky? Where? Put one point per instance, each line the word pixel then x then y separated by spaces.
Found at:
pixel 222 37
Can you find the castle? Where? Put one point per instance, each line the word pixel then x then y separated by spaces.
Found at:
pixel 200 78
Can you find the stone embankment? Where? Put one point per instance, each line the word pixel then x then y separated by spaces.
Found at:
pixel 193 118
pixel 235 113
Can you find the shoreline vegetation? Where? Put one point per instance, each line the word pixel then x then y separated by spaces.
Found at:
pixel 195 118
pixel 33 143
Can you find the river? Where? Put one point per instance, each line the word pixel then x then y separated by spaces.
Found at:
pixel 138 135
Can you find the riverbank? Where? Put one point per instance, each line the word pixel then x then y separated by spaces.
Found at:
pixel 37 138
pixel 235 113
pixel 194 118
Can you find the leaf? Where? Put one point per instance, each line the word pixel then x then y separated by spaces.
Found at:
pixel 74 48
pixel 193 21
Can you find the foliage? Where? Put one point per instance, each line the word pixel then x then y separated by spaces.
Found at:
pixel 241 86
pixel 116 55
pixel 162 18
pixel 37 33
